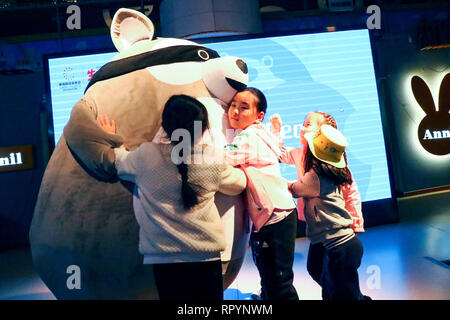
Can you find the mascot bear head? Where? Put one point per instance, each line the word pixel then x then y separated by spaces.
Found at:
pixel 83 220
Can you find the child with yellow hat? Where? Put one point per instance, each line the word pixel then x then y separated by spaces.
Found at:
pixel 328 222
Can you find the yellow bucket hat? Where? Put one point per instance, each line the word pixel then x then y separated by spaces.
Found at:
pixel 328 145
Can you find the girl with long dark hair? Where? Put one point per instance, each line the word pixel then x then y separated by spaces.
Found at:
pixel 181 233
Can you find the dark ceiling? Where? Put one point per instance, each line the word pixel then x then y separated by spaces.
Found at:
pixel 28 18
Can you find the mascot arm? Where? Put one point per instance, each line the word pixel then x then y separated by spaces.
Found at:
pixel 307 186
pixel 89 143
pixel 233 181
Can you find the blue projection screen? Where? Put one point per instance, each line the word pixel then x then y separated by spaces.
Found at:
pixel 331 72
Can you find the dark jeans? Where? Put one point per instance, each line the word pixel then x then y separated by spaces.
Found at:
pixel 189 281
pixel 273 253
pixel 336 269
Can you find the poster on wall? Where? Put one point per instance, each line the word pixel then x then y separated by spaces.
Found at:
pixel 331 72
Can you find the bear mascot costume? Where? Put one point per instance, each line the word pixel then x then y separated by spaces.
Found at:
pixel 84 236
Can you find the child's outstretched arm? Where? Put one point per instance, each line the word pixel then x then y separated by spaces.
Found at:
pixel 307 186
pixel 286 155
pixel 125 161
pixel 276 122
pixel 233 181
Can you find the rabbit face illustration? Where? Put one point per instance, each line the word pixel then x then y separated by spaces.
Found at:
pixel 433 132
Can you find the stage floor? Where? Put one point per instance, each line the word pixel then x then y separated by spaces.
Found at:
pixel 401 261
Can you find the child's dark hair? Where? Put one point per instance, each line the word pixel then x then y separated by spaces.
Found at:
pixel 340 176
pixel 262 102
pixel 181 112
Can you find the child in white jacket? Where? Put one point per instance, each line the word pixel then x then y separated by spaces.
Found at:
pixel 270 203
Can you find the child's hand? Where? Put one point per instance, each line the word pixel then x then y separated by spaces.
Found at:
pixel 275 121
pixel 284 153
pixel 106 124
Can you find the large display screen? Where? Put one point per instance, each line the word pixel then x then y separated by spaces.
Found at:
pixel 331 72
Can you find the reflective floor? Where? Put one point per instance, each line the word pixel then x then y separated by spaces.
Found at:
pixel 401 261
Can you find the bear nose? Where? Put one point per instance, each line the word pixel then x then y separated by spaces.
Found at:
pixel 242 65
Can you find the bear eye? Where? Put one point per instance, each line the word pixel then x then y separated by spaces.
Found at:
pixel 203 54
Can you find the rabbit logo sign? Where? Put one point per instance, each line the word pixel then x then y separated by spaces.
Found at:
pixel 434 129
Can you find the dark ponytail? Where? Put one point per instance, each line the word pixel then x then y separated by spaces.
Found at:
pixel 181 112
pixel 187 192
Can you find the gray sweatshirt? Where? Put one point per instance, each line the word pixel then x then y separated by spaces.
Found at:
pixel 168 232
pixel 327 220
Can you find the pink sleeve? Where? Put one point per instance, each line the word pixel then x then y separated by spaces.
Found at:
pixel 352 200
pixel 258 202
pixel 295 157
pixel 289 156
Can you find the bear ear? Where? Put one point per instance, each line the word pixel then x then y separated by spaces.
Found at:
pixel 444 94
pixel 130 26
pixel 422 94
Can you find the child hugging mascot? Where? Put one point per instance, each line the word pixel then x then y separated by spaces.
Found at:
pixel 84 236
